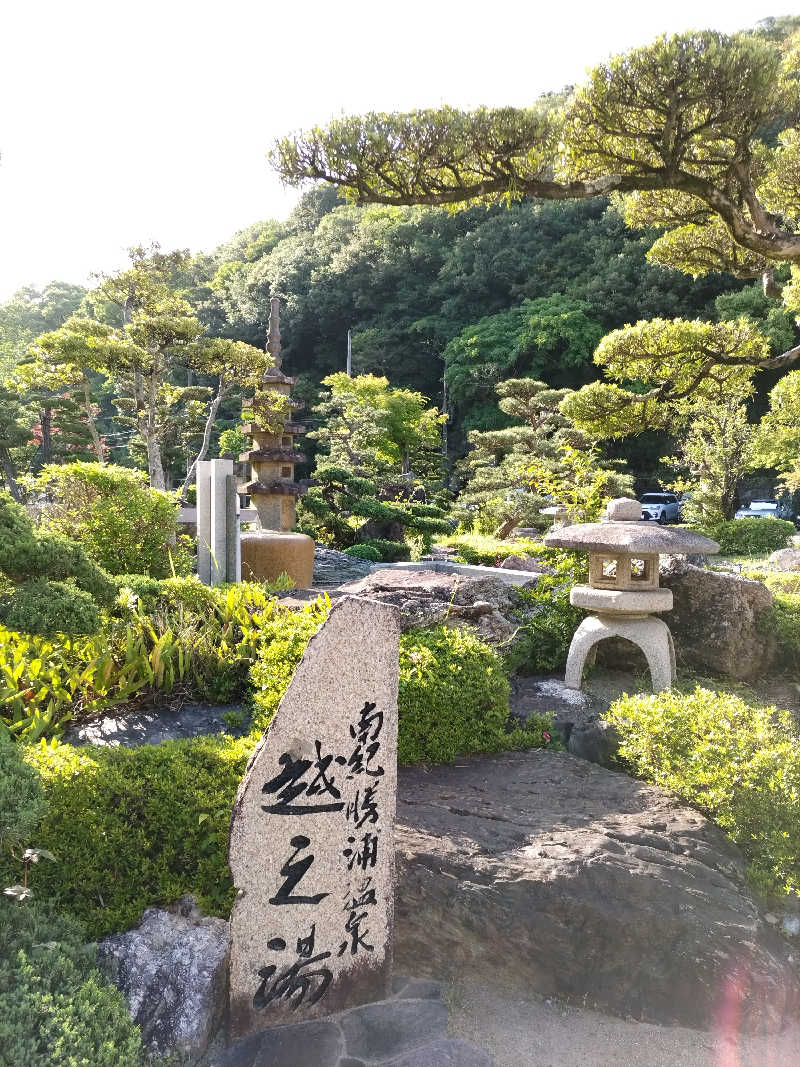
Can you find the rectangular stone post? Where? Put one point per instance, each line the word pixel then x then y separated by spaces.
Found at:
pixel 217 523
pixel 203 476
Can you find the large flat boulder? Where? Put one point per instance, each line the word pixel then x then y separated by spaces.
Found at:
pixel 717 621
pixel 544 872
pixel 430 597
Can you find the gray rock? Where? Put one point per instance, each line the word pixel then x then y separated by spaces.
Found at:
pixel 525 563
pixel 315 1042
pixel 172 970
pixel 151 726
pixel 716 622
pixel 432 597
pixel 333 568
pixel 596 741
pixel 384 1031
pixel 449 1052
pixel 540 871
pixel 418 988
pixel 785 559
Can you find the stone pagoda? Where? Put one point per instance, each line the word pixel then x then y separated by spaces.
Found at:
pixel 623 592
pixel 274 549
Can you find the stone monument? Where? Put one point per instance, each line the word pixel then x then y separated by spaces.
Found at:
pixel 623 589
pixel 274 549
pixel 311 846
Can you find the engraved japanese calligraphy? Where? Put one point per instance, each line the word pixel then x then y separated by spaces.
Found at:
pixel 312 834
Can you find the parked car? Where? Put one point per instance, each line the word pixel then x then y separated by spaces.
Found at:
pixel 661 507
pixel 763 509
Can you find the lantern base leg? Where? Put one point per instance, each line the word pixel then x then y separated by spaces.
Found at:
pixel 651 635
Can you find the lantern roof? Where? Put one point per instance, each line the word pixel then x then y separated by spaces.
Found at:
pixel 630 536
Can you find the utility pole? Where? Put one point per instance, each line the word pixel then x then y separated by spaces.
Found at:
pixel 349 355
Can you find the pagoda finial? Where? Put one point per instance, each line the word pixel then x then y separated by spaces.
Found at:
pixel 274 331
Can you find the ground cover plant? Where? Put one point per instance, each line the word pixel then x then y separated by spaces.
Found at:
pixel 736 760
pixel 56 1009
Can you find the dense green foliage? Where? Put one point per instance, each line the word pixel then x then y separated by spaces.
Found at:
pixel 125 827
pixel 751 537
pixel 122 524
pixel 784 621
pixel 21 801
pixel 368 552
pixel 453 699
pixel 56 1009
pixel 47 582
pixel 736 761
pixel 544 615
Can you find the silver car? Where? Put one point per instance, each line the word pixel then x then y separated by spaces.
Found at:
pixel 661 507
pixel 761 509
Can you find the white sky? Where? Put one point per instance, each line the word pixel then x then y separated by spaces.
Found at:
pixel 123 123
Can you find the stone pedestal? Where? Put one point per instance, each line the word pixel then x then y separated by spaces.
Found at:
pixel 651 635
pixel 267 554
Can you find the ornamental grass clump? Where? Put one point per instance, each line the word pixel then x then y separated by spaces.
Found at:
pixel 735 760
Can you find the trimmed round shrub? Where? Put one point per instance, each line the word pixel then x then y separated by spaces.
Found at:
pixel 737 761
pixel 122 524
pixel 390 551
pixel 752 537
pixel 48 608
pixel 134 827
pixel 56 1009
pixel 453 699
pixel 365 551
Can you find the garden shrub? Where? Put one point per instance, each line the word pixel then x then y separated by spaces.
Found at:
pixel 46 608
pixel 279 653
pixel 56 1009
pixel 739 762
pixel 21 798
pixel 390 551
pixel 122 524
pixel 368 552
pixel 126 829
pixel 784 620
pixel 487 551
pixel 49 584
pixel 751 537
pixel 545 618
pixel 453 699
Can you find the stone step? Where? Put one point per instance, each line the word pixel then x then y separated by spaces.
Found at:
pixel 408 1030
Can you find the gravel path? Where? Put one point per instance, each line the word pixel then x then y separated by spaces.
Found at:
pixel 541 1032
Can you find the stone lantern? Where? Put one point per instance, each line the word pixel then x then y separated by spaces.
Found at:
pixel 623 591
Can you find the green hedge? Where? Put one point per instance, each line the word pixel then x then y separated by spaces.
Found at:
pixel 135 827
pixel 453 699
pixel 56 1009
pixel 751 537
pixel 785 621
pixel 368 552
pixel 739 762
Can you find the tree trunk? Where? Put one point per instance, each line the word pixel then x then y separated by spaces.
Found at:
pixel 146 422
pixel 9 473
pixel 46 422
pixel 201 455
pixel 96 442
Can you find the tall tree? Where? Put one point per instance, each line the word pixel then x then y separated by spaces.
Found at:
pixel 151 355
pixel 674 128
